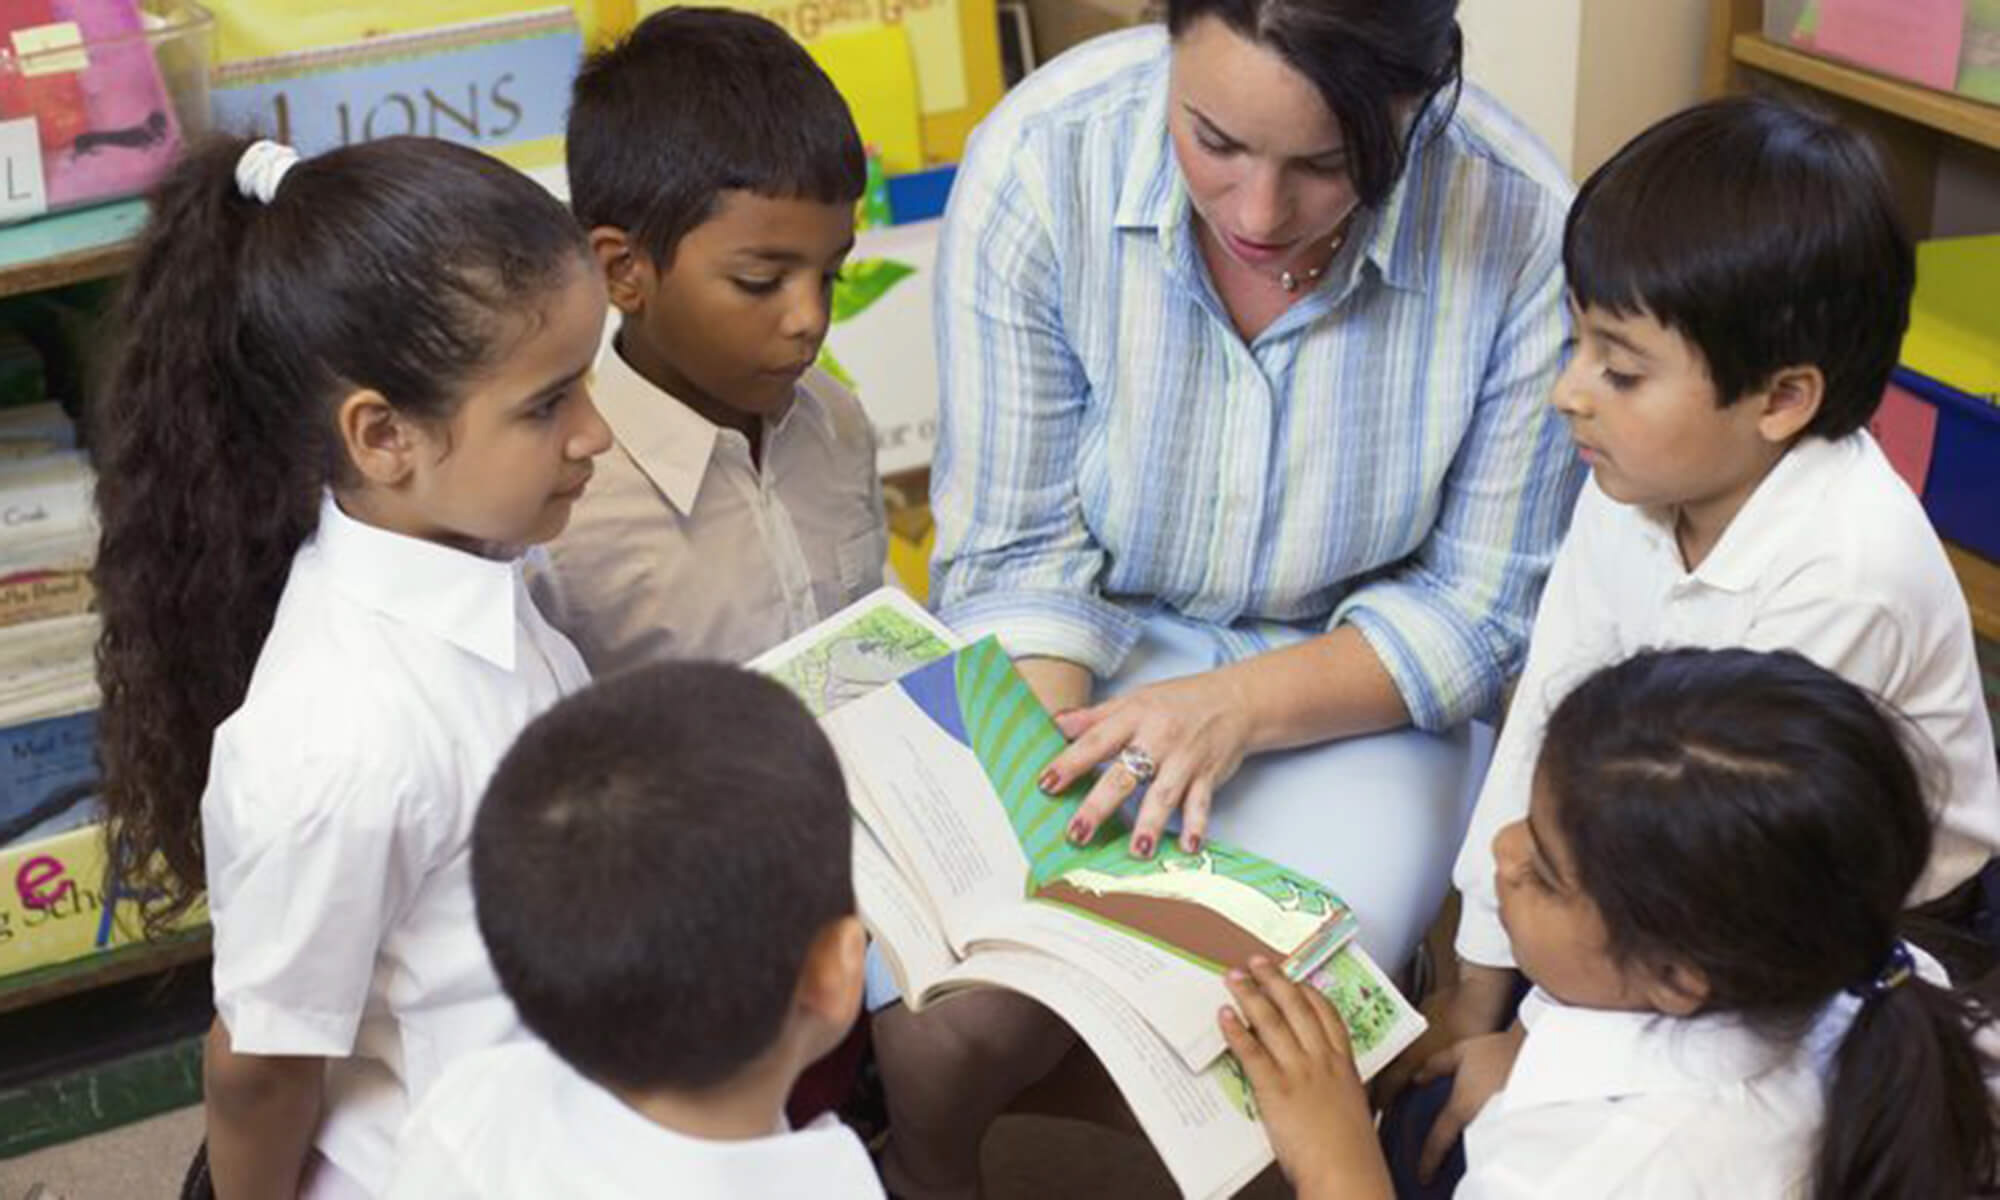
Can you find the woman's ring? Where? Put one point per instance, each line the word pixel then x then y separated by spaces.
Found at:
pixel 1139 763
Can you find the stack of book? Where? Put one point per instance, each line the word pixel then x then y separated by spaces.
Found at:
pixel 48 633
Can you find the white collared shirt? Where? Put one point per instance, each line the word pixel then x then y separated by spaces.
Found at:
pixel 338 815
pixel 1638 1106
pixel 519 1122
pixel 1831 557
pixel 684 548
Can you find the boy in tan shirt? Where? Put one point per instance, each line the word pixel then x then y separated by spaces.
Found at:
pixel 717 169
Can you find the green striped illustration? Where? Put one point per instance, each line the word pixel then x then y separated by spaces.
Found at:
pixel 1015 739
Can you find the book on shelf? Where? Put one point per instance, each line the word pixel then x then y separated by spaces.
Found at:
pixel 48 724
pixel 48 537
pixel 966 880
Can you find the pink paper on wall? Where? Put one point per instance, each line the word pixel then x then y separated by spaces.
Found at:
pixel 1916 39
pixel 1906 427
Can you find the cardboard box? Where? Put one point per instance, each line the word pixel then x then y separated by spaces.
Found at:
pixel 1060 24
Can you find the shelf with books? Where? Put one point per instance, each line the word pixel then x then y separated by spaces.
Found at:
pixel 54 251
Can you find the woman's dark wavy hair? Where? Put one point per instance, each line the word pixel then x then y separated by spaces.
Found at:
pixel 1759 820
pixel 391 265
pixel 1363 56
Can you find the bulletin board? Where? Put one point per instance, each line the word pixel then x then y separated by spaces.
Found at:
pixel 954 47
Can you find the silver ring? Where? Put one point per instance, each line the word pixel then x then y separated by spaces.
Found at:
pixel 1139 763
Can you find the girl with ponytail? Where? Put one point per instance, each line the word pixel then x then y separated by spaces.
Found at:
pixel 1705 893
pixel 350 393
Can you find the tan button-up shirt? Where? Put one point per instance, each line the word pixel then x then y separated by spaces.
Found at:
pixel 683 548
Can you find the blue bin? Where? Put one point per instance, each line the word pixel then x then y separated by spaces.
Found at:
pixel 1962 491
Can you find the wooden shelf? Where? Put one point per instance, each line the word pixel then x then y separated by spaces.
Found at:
pixel 50 252
pixel 1956 115
pixel 127 962
pixel 1981 580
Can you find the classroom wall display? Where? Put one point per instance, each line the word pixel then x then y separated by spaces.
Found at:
pixel 952 48
pixel 880 343
pixel 488 73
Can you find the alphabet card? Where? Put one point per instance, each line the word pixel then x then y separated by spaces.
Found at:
pixel 501 85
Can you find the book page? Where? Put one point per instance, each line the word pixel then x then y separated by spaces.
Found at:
pixel 902 924
pixel 1380 1021
pixel 874 641
pixel 1202 1124
pixel 1177 997
pixel 923 792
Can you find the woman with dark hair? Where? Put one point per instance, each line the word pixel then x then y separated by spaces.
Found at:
pixel 1246 330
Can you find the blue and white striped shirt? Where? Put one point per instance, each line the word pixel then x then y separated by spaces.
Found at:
pixel 1382 455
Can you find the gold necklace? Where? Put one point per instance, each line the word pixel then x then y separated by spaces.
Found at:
pixel 1291 282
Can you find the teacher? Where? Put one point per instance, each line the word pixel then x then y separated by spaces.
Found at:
pixel 1246 330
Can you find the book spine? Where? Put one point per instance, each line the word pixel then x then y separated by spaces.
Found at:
pixel 40 595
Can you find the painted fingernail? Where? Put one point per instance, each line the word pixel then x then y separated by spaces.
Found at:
pixel 1048 780
pixel 1079 831
pixel 1143 845
pixel 1193 844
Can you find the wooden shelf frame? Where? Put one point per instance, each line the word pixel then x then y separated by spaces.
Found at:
pixel 110 966
pixel 1963 118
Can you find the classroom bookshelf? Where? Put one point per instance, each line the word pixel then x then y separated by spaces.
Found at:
pixel 1917 129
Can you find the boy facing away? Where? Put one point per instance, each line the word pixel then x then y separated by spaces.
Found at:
pixel 1740 285
pixel 716 169
pixel 661 871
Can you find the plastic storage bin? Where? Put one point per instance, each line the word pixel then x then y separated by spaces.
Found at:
pixel 96 98
pixel 1975 72
pixel 1962 488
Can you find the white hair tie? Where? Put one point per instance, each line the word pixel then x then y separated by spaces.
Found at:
pixel 262 168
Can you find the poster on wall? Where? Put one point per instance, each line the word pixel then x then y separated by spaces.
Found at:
pixel 500 84
pixel 880 344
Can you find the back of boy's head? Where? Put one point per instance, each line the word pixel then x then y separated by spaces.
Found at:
pixel 1764 234
pixel 652 861
pixel 1760 820
pixel 696 102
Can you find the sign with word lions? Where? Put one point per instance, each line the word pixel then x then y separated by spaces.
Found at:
pixel 501 85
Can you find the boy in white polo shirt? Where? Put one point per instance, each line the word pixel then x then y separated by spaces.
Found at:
pixel 661 868
pixel 1741 284
pixel 716 169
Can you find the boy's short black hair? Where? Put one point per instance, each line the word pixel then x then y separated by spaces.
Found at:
pixel 652 861
pixel 1763 233
pixel 695 102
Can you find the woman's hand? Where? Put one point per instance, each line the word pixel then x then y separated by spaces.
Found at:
pixel 1295 1051
pixel 1193 731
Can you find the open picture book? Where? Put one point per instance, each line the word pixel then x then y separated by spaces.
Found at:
pixel 965 879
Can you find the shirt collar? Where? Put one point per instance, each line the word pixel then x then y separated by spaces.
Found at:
pixel 671 442
pixel 1154 194
pixel 1793 488
pixel 460 597
pixel 823 1154
pixel 1576 1054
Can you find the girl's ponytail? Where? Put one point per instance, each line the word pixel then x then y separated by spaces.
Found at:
pixel 1907 1111
pixel 207 480
pixel 395 266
